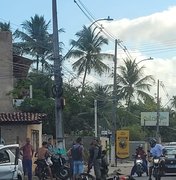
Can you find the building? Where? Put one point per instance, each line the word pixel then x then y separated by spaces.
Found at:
pixel 15 125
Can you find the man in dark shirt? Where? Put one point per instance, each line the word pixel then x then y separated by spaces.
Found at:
pixel 97 150
pixel 77 157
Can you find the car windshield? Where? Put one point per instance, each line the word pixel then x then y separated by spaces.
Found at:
pixel 171 150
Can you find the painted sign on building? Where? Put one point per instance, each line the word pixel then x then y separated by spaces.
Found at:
pixel 122 144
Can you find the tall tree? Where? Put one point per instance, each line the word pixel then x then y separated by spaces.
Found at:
pixel 5 26
pixel 36 40
pixel 173 102
pixel 88 51
pixel 132 82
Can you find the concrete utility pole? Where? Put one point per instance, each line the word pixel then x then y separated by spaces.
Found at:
pixel 96 120
pixel 114 125
pixel 158 114
pixel 58 80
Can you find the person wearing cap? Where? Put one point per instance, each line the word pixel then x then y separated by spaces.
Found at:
pixel 140 152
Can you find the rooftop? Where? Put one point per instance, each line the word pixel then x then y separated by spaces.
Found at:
pixel 21 118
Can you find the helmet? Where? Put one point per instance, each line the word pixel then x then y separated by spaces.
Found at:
pixel 140 146
pixel 152 142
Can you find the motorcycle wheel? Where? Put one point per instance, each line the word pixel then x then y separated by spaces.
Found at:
pixel 158 178
pixel 139 174
pixel 63 173
pixel 139 171
pixel 86 176
pixel 156 174
pixel 40 173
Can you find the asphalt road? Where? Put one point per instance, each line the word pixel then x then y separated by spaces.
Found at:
pixel 125 168
pixel 163 178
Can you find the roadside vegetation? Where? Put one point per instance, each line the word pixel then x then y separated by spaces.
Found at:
pixel 132 94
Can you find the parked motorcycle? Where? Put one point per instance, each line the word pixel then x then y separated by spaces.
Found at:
pixel 58 168
pixel 158 167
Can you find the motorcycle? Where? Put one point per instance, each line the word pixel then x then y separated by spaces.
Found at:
pixel 58 167
pixel 139 166
pixel 158 167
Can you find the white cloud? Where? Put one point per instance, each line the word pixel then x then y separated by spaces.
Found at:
pixel 156 27
pixel 154 36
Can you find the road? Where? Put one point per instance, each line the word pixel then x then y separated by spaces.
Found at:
pixel 125 168
pixel 163 178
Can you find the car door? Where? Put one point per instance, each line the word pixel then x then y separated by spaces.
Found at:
pixel 9 162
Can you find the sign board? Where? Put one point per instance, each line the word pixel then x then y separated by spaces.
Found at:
pixel 150 118
pixel 122 143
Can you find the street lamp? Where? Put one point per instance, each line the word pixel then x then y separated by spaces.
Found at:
pixel 147 59
pixel 102 19
pixel 95 101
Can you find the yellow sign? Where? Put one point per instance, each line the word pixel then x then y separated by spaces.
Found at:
pixel 122 144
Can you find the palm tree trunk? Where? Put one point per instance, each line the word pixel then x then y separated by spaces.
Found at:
pixel 83 83
pixel 37 68
pixel 128 103
pixel 42 64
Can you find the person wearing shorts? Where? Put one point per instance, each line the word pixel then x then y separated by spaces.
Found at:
pixel 77 157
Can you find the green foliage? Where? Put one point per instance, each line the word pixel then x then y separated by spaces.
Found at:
pixel 21 89
pixel 87 50
pixel 132 82
pixel 136 134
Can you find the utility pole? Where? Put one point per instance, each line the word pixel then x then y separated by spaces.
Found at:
pixel 158 114
pixel 96 121
pixel 58 80
pixel 114 125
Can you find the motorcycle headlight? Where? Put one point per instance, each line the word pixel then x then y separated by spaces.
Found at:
pixel 138 161
pixel 156 160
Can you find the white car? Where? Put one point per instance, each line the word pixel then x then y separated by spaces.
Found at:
pixel 10 165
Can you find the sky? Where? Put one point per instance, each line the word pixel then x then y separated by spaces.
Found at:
pixel 146 28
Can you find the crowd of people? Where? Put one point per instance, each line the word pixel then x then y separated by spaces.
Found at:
pixel 97 159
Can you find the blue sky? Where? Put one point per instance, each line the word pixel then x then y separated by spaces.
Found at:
pixel 146 27
pixel 70 16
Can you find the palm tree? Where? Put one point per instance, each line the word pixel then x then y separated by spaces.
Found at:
pixel 5 26
pixel 132 82
pixel 88 51
pixel 104 105
pixel 36 41
pixel 173 102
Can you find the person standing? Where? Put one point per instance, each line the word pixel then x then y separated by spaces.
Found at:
pixel 42 154
pixel 90 159
pixel 104 165
pixel 50 146
pixel 97 151
pixel 27 153
pixel 77 153
pixel 70 160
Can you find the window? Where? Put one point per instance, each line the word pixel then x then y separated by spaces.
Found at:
pixel 4 156
pixel 35 139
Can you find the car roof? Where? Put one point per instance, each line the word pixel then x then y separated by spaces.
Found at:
pixel 170 147
pixel 172 143
pixel 8 146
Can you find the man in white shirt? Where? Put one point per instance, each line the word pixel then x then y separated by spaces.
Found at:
pixel 157 150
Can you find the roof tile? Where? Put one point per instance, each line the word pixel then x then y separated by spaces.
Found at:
pixel 17 117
